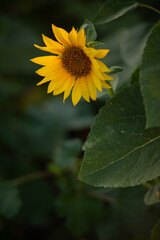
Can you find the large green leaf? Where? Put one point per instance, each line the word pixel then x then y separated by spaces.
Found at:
pixel 113 9
pixel 9 200
pixel 119 151
pixel 150 78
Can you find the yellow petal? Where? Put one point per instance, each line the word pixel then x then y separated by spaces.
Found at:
pixel 91 87
pixel 44 80
pixel 81 38
pixel 42 48
pixel 61 35
pixel 101 53
pixel 58 91
pixel 105 85
pixel 44 60
pixel 47 70
pixel 103 67
pixel 76 93
pixel 84 88
pixel 52 76
pixel 60 81
pixel 62 87
pixel 97 81
pixel 51 87
pixel 97 73
pixel 106 77
pixel 53 45
pixel 69 86
pixel 91 52
pixel 49 49
pixel 72 36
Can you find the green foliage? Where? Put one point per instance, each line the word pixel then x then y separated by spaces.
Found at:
pixel 156 232
pixel 119 151
pixel 135 76
pixel 126 44
pixel 66 155
pixel 114 9
pixel 115 69
pixel 80 212
pixel 90 31
pixel 153 195
pixel 94 44
pixel 10 202
pixel 41 138
pixel 150 78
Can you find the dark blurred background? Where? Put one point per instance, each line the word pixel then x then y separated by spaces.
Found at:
pixel 41 138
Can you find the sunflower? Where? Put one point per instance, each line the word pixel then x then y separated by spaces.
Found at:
pixel 72 66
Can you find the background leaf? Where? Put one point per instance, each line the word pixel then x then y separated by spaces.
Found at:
pixel 115 69
pixel 66 155
pixel 10 202
pixel 156 232
pixel 112 10
pixel 79 211
pixel 119 151
pixel 90 31
pixel 122 44
pixel 150 78
pixel 153 195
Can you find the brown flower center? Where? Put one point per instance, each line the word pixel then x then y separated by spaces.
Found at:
pixel 76 62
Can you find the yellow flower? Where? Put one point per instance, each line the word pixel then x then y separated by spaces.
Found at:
pixel 73 66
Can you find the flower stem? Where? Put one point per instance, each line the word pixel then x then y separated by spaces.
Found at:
pixel 30 177
pixel 149 7
pixel 110 92
pixel 146 185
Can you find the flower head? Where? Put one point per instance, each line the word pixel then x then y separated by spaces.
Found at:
pixel 72 66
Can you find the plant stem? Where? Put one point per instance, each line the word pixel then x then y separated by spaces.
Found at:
pixel 101 196
pixel 30 177
pixel 110 92
pixel 146 185
pixel 149 7
pixel 156 180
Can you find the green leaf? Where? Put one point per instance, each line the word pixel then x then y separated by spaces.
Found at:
pixel 90 31
pixel 113 9
pixel 115 69
pixel 150 78
pixel 135 76
pixel 94 44
pixel 156 232
pixel 153 195
pixel 122 44
pixel 9 200
pixel 119 151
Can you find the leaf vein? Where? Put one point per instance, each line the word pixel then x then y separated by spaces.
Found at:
pixel 117 160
